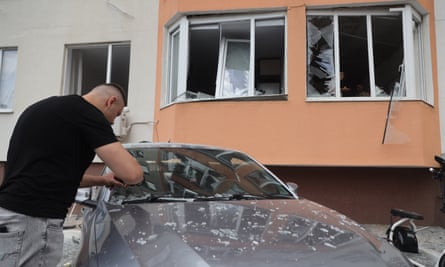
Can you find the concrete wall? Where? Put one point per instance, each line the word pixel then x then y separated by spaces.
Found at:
pixel 368 194
pixel 41 29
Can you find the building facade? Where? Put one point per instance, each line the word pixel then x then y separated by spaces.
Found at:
pixel 340 97
pixel 55 48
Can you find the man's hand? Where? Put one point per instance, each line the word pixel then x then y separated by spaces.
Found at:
pixel 110 180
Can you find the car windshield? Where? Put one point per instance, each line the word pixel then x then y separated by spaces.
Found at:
pixel 198 174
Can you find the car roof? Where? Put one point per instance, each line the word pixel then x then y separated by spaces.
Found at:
pixel 175 145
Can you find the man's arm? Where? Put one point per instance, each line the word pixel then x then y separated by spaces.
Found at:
pixel 121 163
pixel 108 179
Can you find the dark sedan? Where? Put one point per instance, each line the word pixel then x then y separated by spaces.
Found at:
pixel 207 206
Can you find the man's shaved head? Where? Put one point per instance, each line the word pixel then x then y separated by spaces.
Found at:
pixel 108 98
pixel 106 90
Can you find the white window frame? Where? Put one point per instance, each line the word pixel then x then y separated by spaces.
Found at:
pixel 181 27
pixel 75 87
pixel 415 90
pixel 11 90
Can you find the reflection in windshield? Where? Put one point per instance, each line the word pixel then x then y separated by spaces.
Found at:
pixel 197 173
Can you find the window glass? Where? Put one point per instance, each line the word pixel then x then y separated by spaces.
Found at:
pixel 8 65
pixel 236 69
pixel 269 56
pixel 354 64
pixel 388 52
pixel 120 65
pixel 174 65
pixel 203 67
pixel 91 67
pixel 418 59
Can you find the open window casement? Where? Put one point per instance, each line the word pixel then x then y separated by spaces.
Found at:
pixel 234 69
pixel 217 56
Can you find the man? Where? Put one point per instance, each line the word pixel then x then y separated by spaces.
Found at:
pixel 52 145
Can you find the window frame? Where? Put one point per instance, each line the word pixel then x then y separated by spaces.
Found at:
pixel 183 25
pixel 420 90
pixel 72 82
pixel 2 50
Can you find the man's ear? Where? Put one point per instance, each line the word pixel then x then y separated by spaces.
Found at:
pixel 110 100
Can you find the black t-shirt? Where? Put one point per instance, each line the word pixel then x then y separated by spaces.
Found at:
pixel 50 149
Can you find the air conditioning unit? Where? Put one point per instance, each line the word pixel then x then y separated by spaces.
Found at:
pixel 120 125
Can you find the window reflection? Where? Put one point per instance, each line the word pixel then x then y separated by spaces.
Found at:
pixel 189 173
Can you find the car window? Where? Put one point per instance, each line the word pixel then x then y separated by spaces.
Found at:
pixel 191 173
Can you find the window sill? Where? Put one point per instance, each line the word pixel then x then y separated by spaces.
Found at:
pixel 233 99
pixel 357 99
pixel 6 111
pixel 365 99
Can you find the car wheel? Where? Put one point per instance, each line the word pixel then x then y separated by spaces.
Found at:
pixel 442 261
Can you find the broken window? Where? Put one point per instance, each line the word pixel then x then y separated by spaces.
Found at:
pixel 350 62
pixel 225 57
pixel 321 74
pixel 361 53
pixel 90 65
pixel 8 65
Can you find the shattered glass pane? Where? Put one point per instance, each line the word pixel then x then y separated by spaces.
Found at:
pixel 392 133
pixel 321 72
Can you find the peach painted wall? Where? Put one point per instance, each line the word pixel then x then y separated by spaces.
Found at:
pixel 294 131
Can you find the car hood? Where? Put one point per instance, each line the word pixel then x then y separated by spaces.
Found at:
pixel 241 233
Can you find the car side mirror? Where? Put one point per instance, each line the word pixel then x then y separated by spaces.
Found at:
pixel 89 203
pixel 84 197
pixel 292 187
pixel 83 194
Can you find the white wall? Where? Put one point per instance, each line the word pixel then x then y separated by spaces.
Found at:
pixel 439 6
pixel 41 29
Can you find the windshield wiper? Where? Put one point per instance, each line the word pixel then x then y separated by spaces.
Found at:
pixel 155 198
pixel 217 197
pixel 280 196
pixel 227 197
